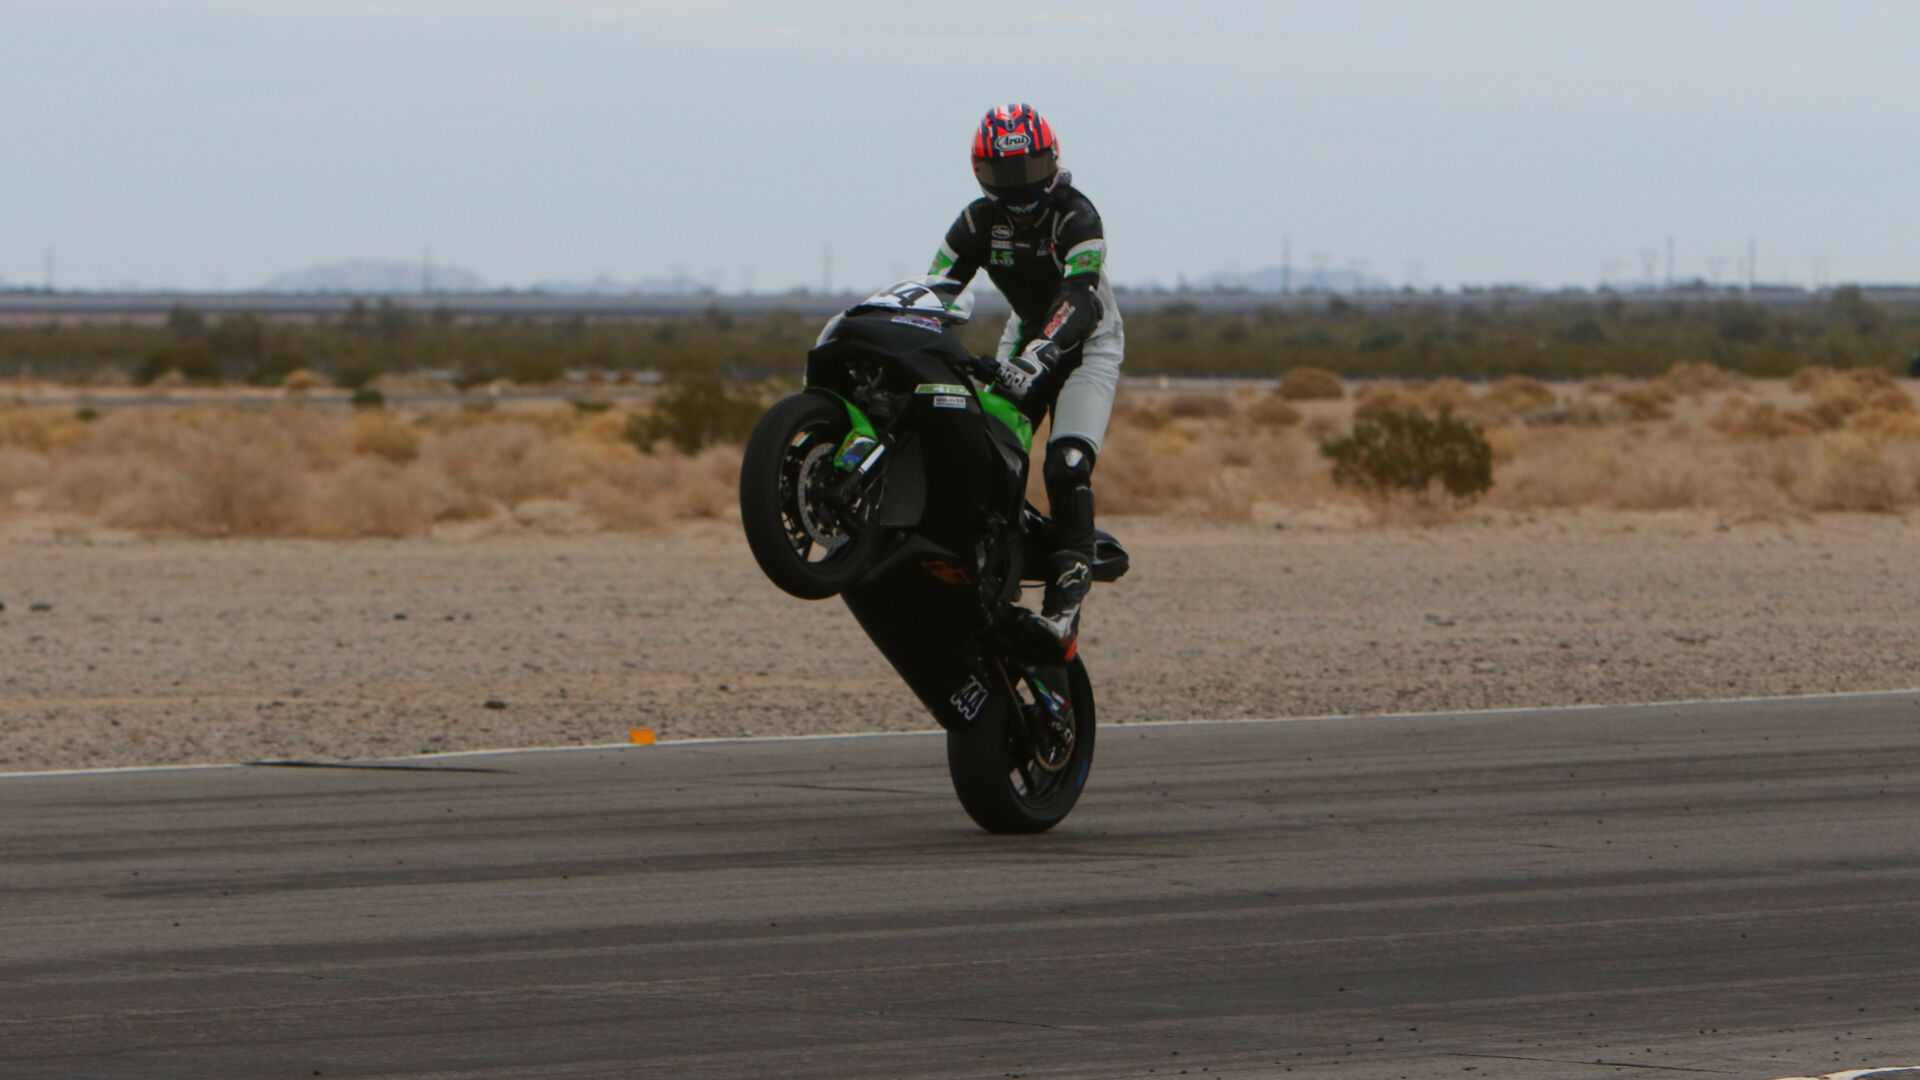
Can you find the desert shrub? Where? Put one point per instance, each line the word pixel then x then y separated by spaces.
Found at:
pixel 1310 384
pixel 273 370
pixel 192 359
pixel 1207 471
pixel 1440 395
pixel 203 472
pixel 1850 305
pixel 366 397
pixel 1869 379
pixel 1581 332
pixel 1889 398
pixel 695 413
pixel 532 368
pixel 1695 378
pixel 300 380
pixel 1407 451
pixel 1740 323
pixel 1443 394
pixel 1273 411
pixel 384 435
pixel 1518 395
pixel 39 430
pixel 242 335
pixel 1740 418
pixel 1575 414
pixel 1199 405
pixel 185 322
pixel 1314 338
pixel 1861 396
pixel 470 375
pixel 1850 473
pixel 389 321
pixel 1903 423
pixel 1839 395
pixel 1381 339
pixel 1374 398
pixel 357 371
pixel 1142 417
pixel 1652 401
pixel 1805 379
pixel 369 496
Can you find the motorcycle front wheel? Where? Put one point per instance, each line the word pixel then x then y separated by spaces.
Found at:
pixel 808 541
pixel 1021 769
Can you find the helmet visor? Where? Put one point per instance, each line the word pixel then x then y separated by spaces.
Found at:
pixel 1008 174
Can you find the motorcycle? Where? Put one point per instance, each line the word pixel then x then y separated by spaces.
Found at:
pixel 896 479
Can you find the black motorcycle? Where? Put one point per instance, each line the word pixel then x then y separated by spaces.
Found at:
pixel 898 481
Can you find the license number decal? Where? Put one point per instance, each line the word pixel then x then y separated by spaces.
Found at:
pixel 968 699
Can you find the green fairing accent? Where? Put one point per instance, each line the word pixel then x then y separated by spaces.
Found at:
pixel 861 425
pixel 940 388
pixel 1009 414
pixel 1087 262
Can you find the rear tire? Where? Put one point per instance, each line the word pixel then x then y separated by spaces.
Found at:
pixel 805 545
pixel 996 771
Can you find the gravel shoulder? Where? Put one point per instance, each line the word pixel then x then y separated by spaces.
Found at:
pixel 182 651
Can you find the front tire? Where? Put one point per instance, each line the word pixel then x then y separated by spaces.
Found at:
pixel 1002 772
pixel 804 542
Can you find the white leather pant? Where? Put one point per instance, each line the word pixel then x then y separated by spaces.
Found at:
pixel 1085 401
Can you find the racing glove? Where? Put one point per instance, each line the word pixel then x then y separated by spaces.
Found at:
pixel 1017 374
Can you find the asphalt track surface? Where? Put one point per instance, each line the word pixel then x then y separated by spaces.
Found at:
pixel 1722 889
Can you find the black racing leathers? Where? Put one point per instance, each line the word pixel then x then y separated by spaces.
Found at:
pixel 1048 268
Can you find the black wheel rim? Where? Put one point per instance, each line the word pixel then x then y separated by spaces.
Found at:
pixel 818 532
pixel 1043 743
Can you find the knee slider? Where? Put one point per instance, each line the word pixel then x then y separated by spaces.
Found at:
pixel 1068 473
pixel 1069 464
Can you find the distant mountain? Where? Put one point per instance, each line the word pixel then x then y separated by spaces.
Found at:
pixel 376 276
pixel 1274 279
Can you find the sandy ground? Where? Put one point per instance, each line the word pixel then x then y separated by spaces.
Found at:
pixel 127 652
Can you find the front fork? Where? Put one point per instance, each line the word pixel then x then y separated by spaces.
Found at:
pixel 857 455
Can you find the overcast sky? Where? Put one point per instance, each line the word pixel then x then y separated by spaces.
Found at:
pixel 213 143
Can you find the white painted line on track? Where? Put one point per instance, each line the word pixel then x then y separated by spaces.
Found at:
pixel 120 769
pixel 1220 722
pixel 1514 709
pixel 1884 1071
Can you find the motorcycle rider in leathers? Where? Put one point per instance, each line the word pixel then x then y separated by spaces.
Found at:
pixel 1041 242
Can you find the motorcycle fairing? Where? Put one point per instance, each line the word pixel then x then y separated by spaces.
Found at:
pixel 1009 414
pixel 905 356
pixel 927 628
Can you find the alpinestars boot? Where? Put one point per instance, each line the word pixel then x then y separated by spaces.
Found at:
pixel 1055 632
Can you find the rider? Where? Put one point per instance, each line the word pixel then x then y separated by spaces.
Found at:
pixel 1041 242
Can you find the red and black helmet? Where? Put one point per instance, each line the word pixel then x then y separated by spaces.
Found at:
pixel 1016 158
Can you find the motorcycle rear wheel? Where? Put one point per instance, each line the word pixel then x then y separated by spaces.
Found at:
pixel 998 771
pixel 802 542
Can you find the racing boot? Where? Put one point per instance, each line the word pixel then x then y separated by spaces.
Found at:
pixel 1054 634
